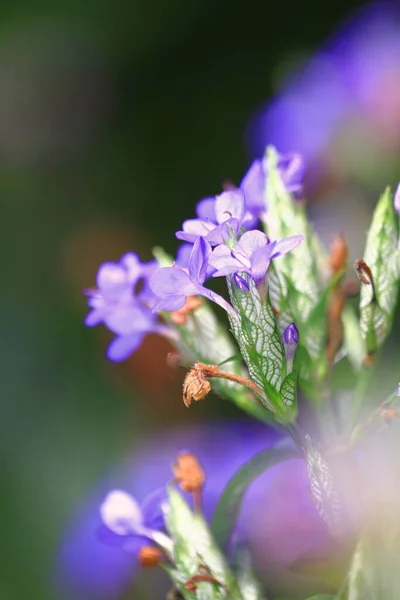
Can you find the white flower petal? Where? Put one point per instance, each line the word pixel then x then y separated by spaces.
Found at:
pixel 121 513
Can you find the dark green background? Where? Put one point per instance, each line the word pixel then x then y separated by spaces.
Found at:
pixel 115 118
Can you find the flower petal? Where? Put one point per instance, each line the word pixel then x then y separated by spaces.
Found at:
pixel 260 261
pixel 251 241
pixel 205 209
pixel 171 281
pixel 129 318
pixel 193 229
pixel 121 513
pixel 151 509
pixel 253 187
pixel 223 261
pixel 286 245
pixel 122 347
pixel 198 261
pixel 111 275
pixel 229 204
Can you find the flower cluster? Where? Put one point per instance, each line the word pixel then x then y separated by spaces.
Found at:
pixel 218 242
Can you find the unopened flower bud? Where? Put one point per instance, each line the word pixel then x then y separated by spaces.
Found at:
pixel 338 255
pixel 188 472
pixel 396 200
pixel 291 334
pixel 290 339
pixel 195 386
pixel 240 282
pixel 150 556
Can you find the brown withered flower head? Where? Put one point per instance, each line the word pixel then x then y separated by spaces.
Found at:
pixel 188 472
pixel 196 386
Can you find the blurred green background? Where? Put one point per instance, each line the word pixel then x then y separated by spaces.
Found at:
pixel 116 117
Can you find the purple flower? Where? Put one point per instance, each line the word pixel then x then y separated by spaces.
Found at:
pixel 352 79
pixel 172 285
pixel 291 167
pixel 396 200
pixel 217 218
pixel 131 526
pixel 290 339
pixel 124 310
pixel 252 254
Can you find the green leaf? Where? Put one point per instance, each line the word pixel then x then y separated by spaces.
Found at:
pixel 287 217
pixel 194 547
pixel 324 494
pixel 250 588
pixel 229 504
pixel 352 340
pixel 257 334
pixel 179 522
pixel 289 389
pixel 381 255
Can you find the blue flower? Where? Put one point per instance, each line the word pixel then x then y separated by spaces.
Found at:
pixel 172 285
pixel 217 217
pixel 252 254
pixel 124 310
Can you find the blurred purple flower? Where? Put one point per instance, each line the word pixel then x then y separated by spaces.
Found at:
pixel 291 167
pixel 252 254
pixel 125 310
pixel 216 218
pixel 397 199
pixel 288 528
pixel 355 74
pixel 172 285
pixel 130 526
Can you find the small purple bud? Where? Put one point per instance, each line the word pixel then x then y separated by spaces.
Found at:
pixel 291 335
pixel 398 389
pixel 240 282
pixel 290 339
pixel 396 200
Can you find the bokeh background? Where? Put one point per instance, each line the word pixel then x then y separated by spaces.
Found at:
pixel 116 117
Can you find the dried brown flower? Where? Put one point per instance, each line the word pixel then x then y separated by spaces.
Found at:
pixel 188 472
pixel 196 386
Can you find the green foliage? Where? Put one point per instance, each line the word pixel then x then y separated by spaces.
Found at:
pixel 257 333
pixel 196 554
pixel 323 491
pixel 378 302
pixel 229 503
pixel 303 298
